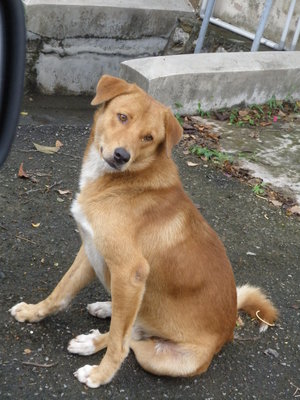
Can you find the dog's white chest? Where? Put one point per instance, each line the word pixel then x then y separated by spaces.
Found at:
pixel 87 236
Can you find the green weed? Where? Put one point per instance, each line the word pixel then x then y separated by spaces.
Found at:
pixel 177 114
pixel 201 112
pixel 213 155
pixel 258 189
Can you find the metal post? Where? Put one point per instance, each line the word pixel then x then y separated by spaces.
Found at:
pixel 205 22
pixel 296 36
pixel 261 26
pixel 287 24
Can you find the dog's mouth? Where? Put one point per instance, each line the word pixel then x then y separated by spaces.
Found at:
pixel 118 160
pixel 112 164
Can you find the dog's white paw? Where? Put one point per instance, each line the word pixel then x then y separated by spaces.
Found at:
pixel 26 312
pixel 84 344
pixel 83 375
pixel 100 309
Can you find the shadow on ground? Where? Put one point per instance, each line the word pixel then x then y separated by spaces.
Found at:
pixel 262 243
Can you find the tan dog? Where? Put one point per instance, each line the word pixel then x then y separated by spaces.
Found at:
pixel 174 299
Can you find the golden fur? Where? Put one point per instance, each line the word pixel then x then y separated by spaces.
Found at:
pixel 174 299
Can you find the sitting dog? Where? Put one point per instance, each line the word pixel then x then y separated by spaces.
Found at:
pixel 173 296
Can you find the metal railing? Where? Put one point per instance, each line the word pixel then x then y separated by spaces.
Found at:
pixel 206 12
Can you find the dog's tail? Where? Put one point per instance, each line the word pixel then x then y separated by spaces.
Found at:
pixel 255 303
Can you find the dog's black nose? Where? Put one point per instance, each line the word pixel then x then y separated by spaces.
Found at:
pixel 121 156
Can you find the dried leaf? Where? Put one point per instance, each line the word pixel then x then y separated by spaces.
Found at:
pixel 58 144
pixel 281 113
pixel 276 203
pixel 24 113
pixel 46 149
pixel 22 173
pixel 27 351
pixel 60 200
pixel 35 225
pixel 191 164
pixel 243 113
pixel 265 123
pixel 64 192
pixel 295 210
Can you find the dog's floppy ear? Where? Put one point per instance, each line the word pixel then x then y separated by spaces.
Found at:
pixel 173 131
pixel 109 87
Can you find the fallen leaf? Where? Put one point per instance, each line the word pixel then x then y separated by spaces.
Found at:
pixel 46 149
pixel 58 144
pixel 249 253
pixel 22 173
pixel 191 164
pixel 27 351
pixel 265 123
pixel 276 203
pixel 35 225
pixel 243 113
pixel 64 192
pixel 294 210
pixel 60 200
pixel 281 113
pixel 24 113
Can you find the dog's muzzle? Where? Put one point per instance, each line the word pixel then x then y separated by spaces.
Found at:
pixel 120 158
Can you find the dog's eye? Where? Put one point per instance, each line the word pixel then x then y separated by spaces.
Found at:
pixel 122 117
pixel 147 138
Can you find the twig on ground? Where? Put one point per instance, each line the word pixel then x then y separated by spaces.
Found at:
pixel 26 240
pixel 242 339
pixel 39 365
pixel 26 151
pixel 31 190
pixel 296 394
pixel 52 186
pixel 70 155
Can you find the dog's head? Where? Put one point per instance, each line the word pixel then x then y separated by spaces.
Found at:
pixel 131 128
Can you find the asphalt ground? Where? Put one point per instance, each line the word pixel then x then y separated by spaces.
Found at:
pixel 39 240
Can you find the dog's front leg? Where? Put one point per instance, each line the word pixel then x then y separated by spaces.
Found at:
pixel 77 277
pixel 127 290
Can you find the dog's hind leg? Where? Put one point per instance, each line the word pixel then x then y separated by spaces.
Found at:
pixel 162 357
pixel 77 277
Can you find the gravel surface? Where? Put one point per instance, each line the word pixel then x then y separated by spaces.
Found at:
pixel 262 243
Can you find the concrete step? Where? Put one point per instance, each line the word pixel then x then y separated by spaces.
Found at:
pixel 71 43
pixel 216 80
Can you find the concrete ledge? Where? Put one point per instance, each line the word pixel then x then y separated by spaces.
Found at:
pixel 103 18
pixel 216 80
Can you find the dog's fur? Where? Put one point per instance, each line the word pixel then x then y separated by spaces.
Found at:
pixel 174 299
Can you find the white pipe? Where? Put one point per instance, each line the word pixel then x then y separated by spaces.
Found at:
pixel 242 32
pixel 261 25
pixel 296 36
pixel 287 25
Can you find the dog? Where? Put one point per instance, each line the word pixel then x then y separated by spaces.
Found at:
pixel 174 301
